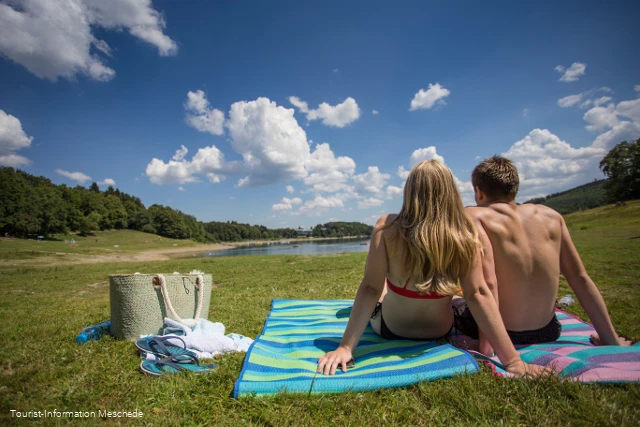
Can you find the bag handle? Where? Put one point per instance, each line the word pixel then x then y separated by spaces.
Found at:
pixel 160 281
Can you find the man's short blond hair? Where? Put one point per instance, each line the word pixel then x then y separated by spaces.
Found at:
pixel 497 177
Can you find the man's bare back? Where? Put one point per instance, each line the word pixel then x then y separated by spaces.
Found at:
pixel 526 244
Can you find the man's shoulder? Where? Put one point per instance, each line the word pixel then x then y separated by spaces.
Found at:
pixel 480 212
pixel 539 210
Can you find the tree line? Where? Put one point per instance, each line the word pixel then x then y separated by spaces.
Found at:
pixel 341 229
pixel 33 205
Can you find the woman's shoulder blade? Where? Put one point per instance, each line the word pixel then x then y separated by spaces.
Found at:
pixel 386 220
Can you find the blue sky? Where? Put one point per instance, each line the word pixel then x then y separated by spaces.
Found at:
pixel 112 91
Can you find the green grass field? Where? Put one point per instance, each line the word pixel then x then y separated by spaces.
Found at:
pixel 103 243
pixel 42 368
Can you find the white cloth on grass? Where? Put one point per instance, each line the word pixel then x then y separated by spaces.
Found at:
pixel 206 339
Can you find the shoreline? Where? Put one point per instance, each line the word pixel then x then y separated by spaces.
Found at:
pixel 163 254
pixel 214 247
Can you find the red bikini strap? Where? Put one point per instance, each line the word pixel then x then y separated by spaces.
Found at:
pixel 406 283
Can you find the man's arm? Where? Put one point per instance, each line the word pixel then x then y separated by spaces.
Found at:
pixel 368 294
pixel 588 295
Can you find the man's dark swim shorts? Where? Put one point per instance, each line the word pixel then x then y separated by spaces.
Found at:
pixel 465 323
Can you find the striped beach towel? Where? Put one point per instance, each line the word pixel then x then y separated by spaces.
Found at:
pixel 298 332
pixel 574 356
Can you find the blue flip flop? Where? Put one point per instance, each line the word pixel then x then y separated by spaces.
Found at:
pixel 171 365
pixel 161 346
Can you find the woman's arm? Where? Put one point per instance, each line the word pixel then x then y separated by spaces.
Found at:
pixel 485 311
pixel 368 294
pixel 489 273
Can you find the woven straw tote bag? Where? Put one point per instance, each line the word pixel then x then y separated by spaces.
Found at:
pixel 140 302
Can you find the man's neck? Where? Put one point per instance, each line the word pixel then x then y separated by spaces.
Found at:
pixel 488 203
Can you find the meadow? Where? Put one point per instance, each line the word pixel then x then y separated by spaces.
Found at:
pixel 101 243
pixel 43 308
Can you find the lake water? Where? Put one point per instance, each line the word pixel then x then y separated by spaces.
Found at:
pixel 294 248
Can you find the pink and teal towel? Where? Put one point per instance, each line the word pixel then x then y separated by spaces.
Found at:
pixel 574 356
pixel 298 332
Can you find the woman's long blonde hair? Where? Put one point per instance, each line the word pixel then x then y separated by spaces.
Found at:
pixel 439 237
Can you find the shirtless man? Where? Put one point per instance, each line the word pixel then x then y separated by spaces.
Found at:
pixel 526 248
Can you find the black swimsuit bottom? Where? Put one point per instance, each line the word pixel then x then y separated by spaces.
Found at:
pixel 386 333
pixel 466 324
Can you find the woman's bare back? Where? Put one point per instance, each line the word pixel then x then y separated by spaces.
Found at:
pixel 410 317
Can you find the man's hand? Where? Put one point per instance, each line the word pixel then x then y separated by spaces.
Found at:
pixel 330 361
pixel 620 341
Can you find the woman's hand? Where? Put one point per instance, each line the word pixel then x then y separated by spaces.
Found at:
pixel 330 361
pixel 521 369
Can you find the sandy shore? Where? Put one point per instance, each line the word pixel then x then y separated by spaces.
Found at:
pixel 164 254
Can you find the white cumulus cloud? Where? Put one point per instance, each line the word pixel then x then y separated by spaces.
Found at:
pixel 290 189
pixel 548 164
pixel 179 156
pixel 331 115
pixel 394 191
pixel 107 181
pixel 426 99
pixel 320 204
pixel 371 182
pixel 570 100
pixel 542 153
pixel 78 177
pixel 208 161
pixel 12 139
pixel 273 146
pixel 572 73
pixel 375 112
pixel 402 172
pixel 601 101
pixel 286 204
pixel 201 116
pixel 301 105
pixel 601 117
pixel 369 203
pixel 55 39
pixel 326 171
pixel 428 153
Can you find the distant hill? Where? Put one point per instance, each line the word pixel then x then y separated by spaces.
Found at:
pixel 583 197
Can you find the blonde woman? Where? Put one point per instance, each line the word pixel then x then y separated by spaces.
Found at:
pixel 415 261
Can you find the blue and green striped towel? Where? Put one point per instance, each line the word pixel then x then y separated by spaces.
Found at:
pixel 298 332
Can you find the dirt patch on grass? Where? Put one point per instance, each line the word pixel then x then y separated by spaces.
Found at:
pixel 97 285
pixel 49 259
